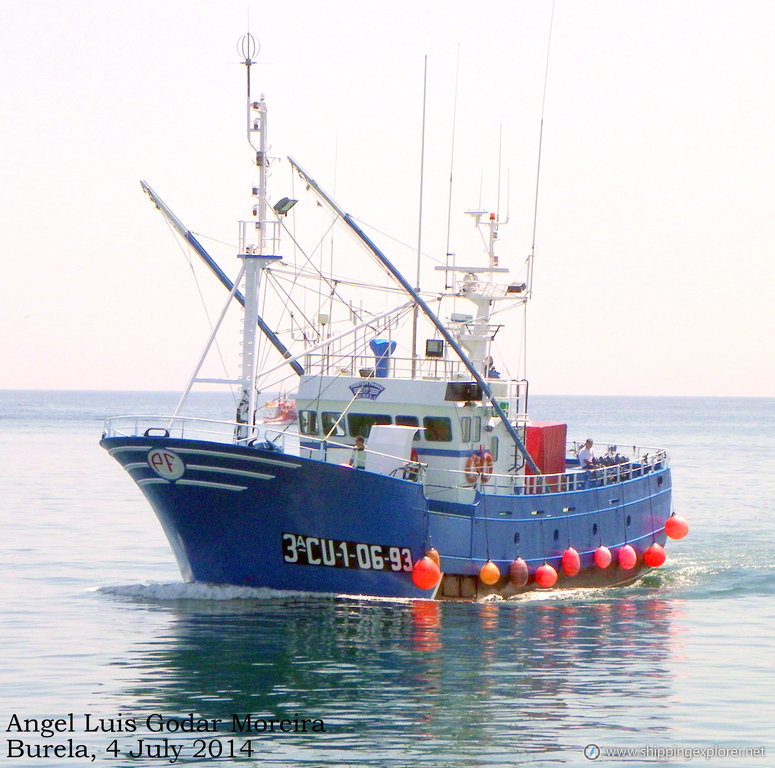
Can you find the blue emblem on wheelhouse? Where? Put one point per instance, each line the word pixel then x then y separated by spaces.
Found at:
pixel 367 391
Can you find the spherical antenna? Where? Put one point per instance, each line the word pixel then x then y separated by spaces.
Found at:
pixel 248 48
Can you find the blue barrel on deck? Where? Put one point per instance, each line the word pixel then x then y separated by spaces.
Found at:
pixel 382 349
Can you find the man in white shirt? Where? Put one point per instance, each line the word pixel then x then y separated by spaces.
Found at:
pixel 586 455
pixel 358 459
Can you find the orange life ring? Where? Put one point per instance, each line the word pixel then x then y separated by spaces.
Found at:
pixel 473 468
pixel 486 466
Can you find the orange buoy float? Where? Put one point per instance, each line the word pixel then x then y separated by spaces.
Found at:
pixel 485 466
pixel 425 573
pixel 489 573
pixel 518 572
pixel 473 468
pixel 546 576
pixel 571 563
pixel 603 557
pixel 655 555
pixel 627 557
pixel 676 527
pixel 434 555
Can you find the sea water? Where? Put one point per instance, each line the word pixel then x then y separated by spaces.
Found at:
pixel 109 659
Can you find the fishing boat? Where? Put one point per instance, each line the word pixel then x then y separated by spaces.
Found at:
pixel 415 469
pixel 281 410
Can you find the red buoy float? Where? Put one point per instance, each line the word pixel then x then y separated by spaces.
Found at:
pixel 546 576
pixel 627 557
pixel 489 573
pixel 603 557
pixel 571 563
pixel 655 555
pixel 425 573
pixel 676 527
pixel 518 572
pixel 434 555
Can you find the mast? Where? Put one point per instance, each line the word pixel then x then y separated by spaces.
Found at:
pixel 257 255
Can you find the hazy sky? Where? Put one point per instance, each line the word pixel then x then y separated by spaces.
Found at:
pixel 655 244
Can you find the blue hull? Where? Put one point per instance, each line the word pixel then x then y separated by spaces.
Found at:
pixel 255 517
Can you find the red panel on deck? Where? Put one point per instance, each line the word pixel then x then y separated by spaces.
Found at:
pixel 545 442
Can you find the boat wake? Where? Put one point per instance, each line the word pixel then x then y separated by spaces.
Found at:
pixel 176 591
pixel 721 578
pixel 186 591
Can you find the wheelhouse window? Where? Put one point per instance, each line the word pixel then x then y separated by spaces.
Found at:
pixel 409 421
pixel 438 429
pixel 471 429
pixel 494 448
pixel 308 422
pixel 360 424
pixel 333 424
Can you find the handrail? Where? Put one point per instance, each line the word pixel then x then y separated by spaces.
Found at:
pixel 646 461
pixel 642 461
pixel 189 426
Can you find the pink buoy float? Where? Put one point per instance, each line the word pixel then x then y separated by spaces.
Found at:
pixel 571 563
pixel 627 557
pixel 603 557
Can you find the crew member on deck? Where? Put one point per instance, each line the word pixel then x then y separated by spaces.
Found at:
pixel 586 456
pixel 489 368
pixel 358 459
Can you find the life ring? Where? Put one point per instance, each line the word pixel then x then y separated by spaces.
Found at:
pixel 486 466
pixel 473 468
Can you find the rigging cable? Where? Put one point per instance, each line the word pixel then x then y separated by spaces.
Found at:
pixel 187 255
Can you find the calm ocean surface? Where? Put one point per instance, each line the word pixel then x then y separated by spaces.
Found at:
pixel 94 621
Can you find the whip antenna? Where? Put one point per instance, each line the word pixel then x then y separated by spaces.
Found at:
pixel 531 258
pixel 447 285
pixel 419 226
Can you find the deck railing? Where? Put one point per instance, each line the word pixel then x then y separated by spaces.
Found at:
pixel 615 468
pixel 642 461
pixel 191 428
